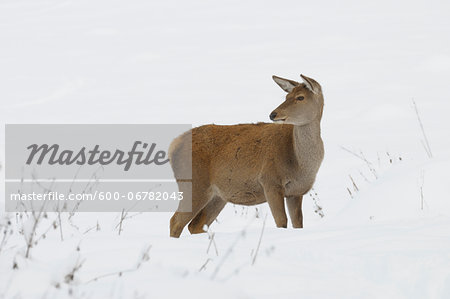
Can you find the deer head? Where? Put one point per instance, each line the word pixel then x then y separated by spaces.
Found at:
pixel 303 104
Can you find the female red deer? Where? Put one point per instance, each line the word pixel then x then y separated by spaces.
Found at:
pixel 249 164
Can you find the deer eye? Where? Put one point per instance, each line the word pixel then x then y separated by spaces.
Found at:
pixel 300 98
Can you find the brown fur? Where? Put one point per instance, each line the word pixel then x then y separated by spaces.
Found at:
pixel 249 164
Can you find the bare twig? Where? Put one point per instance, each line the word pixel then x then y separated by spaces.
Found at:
pixel 422 180
pixel 229 251
pixel 122 217
pixel 6 234
pixel 71 275
pixel 60 226
pixel 144 257
pixel 211 236
pixel 203 267
pixel 425 142
pixel 355 187
pixel 259 241
pixel 30 240
pixel 390 158
pixel 44 234
pixel 317 207
pixel 363 158
pixel 125 215
pixel 350 192
pixel 370 165
pixel 96 227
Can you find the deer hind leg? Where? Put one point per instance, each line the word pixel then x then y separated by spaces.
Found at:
pixel 178 222
pixel 181 218
pixel 207 215
pixel 294 204
pixel 275 199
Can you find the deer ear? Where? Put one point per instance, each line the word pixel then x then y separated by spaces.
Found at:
pixel 311 84
pixel 285 84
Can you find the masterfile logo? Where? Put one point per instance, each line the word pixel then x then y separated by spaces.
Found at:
pixel 91 168
pixel 54 155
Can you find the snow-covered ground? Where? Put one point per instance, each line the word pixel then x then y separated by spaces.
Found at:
pixel 211 62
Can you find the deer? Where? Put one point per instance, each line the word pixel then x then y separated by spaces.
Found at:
pixel 249 164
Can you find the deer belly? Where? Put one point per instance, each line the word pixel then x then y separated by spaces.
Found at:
pixel 242 193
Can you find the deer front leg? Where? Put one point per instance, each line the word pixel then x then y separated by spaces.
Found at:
pixel 294 204
pixel 275 199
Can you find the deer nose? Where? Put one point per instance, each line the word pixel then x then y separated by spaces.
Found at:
pixel 273 115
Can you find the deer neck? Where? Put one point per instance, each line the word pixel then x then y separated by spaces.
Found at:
pixel 307 142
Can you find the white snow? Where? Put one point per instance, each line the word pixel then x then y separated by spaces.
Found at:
pixel 205 62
